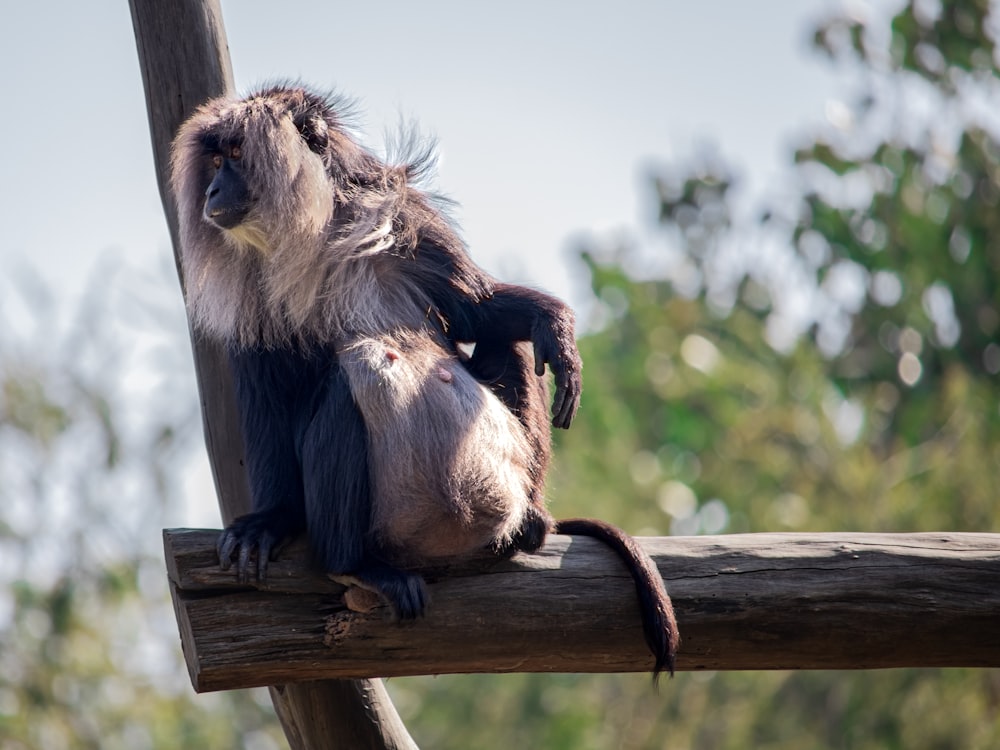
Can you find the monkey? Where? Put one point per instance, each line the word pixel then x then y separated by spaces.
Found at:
pixel 391 393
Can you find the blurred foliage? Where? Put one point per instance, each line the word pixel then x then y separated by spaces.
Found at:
pixel 89 651
pixel 829 364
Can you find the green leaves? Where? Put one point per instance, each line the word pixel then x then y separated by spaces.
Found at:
pixel 936 44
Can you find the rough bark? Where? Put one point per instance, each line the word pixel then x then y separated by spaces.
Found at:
pixel 753 601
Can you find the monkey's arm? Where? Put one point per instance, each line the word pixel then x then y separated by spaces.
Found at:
pixel 478 308
pixel 336 484
pixel 516 313
pixel 267 421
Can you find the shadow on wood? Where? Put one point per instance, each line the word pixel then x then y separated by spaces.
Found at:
pixel 751 601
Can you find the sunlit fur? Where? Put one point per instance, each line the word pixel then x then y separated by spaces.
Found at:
pixel 426 413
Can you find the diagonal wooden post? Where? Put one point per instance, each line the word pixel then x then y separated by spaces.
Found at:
pixel 184 58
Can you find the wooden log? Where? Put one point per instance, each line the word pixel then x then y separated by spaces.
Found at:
pixel 751 601
pixel 184 60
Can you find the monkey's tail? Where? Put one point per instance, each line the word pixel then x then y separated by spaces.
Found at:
pixel 657 612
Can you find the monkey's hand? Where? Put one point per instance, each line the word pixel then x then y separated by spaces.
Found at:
pixel 555 345
pixel 256 531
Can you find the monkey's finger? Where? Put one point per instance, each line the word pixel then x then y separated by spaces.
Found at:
pixel 564 416
pixel 567 396
pixel 277 546
pixel 540 358
pixel 558 405
pixel 411 600
pixel 565 406
pixel 264 549
pixel 569 412
pixel 224 547
pixel 243 564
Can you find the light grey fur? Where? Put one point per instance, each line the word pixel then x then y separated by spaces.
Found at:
pixel 306 263
pixel 447 460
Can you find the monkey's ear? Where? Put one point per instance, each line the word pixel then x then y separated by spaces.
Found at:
pixel 314 130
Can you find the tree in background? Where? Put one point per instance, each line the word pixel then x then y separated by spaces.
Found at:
pixel 89 653
pixel 857 320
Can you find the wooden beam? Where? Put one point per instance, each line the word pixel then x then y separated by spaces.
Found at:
pixel 184 60
pixel 751 601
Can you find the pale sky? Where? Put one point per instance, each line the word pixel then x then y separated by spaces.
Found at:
pixel 546 113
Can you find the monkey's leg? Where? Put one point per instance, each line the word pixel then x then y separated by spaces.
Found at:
pixel 405 592
pixel 506 369
pixel 338 501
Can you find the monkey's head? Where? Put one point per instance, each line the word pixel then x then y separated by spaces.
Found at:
pixel 256 169
pixel 274 200
pixel 270 189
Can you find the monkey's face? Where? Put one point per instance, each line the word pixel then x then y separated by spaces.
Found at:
pixel 227 198
pixel 261 175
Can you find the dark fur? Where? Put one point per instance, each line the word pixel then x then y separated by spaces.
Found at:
pixel 341 293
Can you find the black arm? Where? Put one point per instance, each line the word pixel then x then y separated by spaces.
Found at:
pixel 478 308
pixel 496 315
pixel 267 403
pixel 336 481
pixel 517 313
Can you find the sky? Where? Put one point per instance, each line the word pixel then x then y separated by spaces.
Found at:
pixel 547 115
pixel 548 118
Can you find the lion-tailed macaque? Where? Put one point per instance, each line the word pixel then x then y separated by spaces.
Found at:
pixel 391 392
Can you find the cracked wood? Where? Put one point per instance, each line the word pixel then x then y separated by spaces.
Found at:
pixel 746 601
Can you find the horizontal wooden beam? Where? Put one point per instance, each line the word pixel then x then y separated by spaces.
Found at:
pixel 748 601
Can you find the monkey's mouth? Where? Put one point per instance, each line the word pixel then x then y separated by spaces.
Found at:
pixel 226 217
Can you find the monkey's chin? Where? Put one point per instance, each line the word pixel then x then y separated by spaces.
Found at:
pixel 225 217
pixel 248 236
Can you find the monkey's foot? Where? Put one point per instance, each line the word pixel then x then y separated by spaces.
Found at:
pixel 535 527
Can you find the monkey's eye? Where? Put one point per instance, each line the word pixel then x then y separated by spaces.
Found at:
pixel 235 152
pixel 217 161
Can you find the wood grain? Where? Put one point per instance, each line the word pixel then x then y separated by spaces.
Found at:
pixel 753 601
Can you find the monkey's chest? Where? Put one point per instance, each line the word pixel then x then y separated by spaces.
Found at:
pixel 368 298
